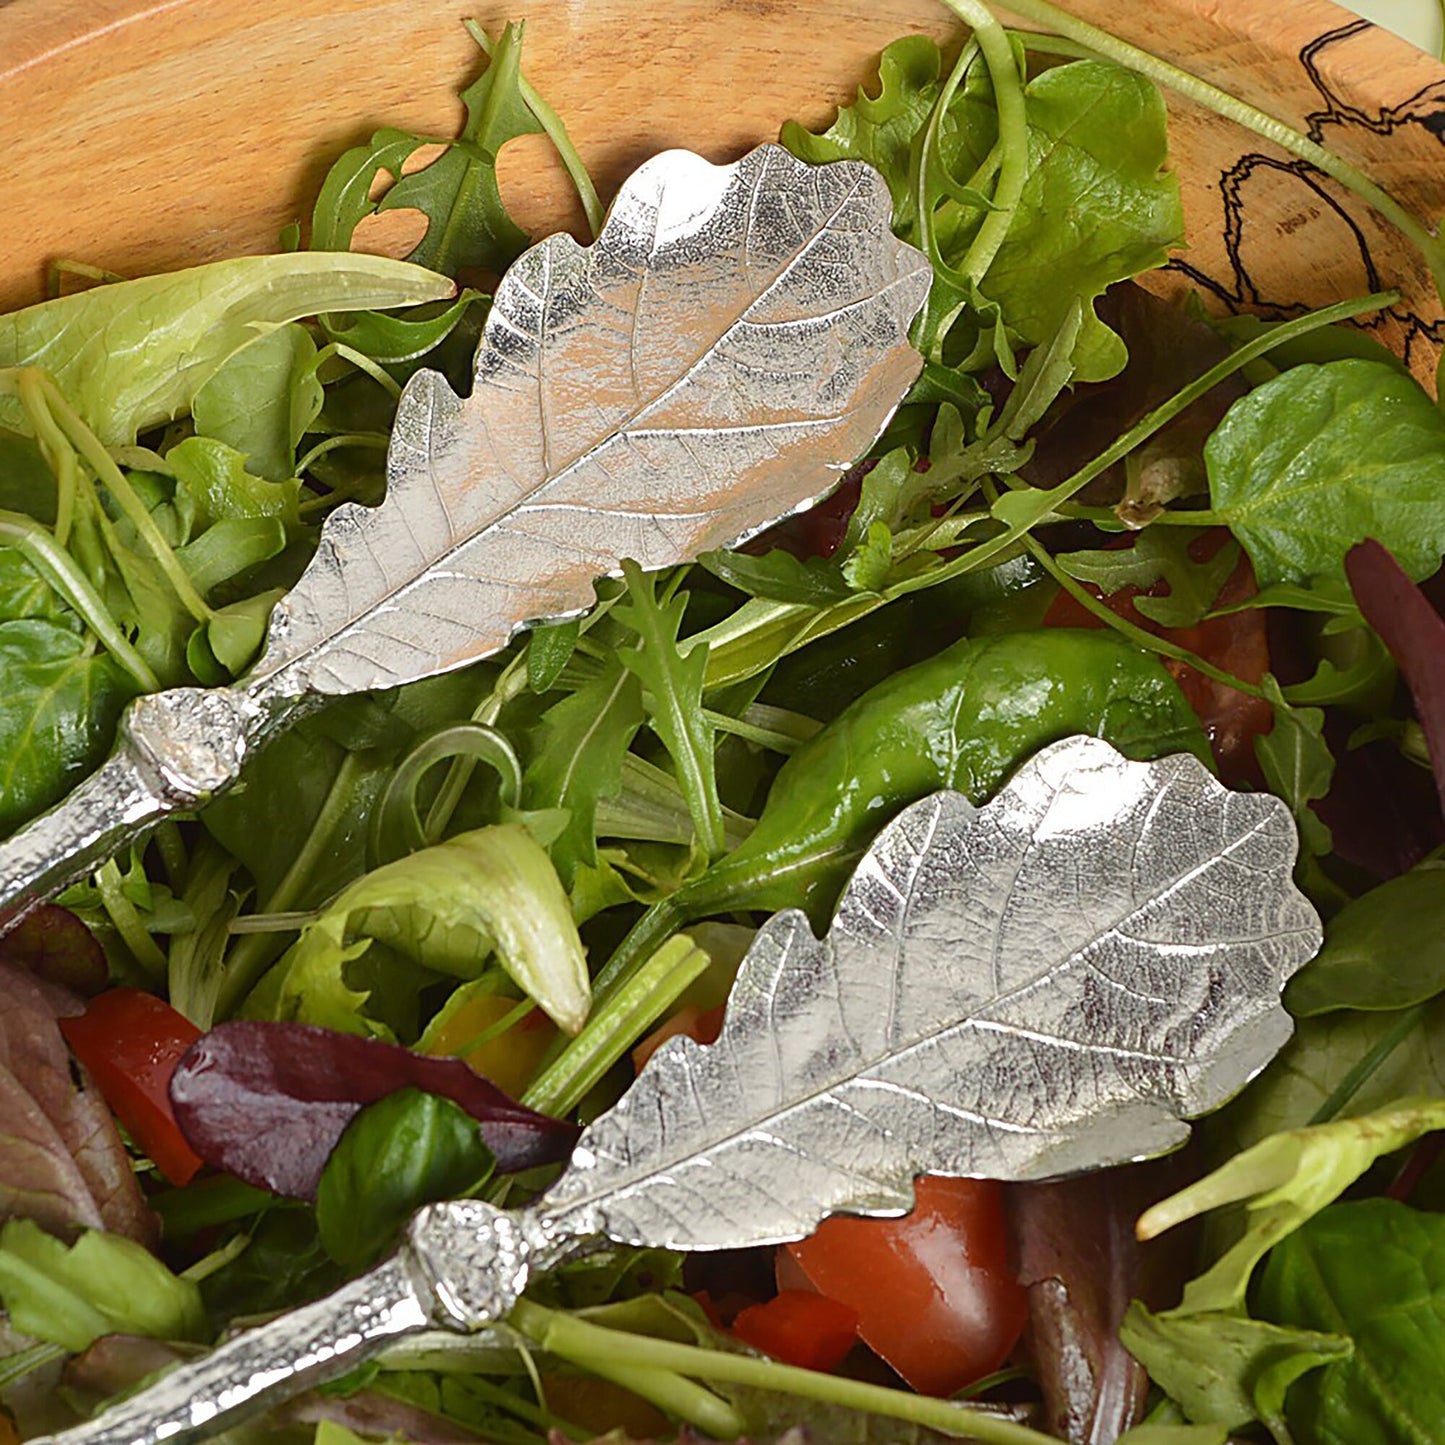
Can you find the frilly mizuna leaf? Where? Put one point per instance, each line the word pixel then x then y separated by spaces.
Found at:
pixel 1047 984
pixel 734 338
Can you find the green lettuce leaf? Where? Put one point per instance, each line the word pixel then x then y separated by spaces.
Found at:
pixel 446 909
pixel 102 1284
pixel 133 355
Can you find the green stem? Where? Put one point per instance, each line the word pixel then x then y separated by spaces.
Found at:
pixel 39 549
pixel 575 1339
pixel 250 957
pixel 1353 1081
pixel 617 1022
pixel 925 199
pixel 680 1397
pixel 1013 134
pixel 556 132
pixel 1022 510
pixel 1211 97
pixel 127 921
pixel 58 451
pixel 118 485
pixel 375 441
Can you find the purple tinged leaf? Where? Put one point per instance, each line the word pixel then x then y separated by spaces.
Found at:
pixel 53 944
pixel 1081 1264
pixel 1413 631
pixel 268 1101
pixel 62 1162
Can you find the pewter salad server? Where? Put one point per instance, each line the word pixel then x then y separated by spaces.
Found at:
pixel 734 338
pixel 1051 983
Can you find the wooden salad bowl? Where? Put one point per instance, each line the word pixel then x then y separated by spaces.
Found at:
pixel 146 135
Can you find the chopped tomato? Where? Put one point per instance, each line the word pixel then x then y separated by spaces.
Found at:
pixel 800 1328
pixel 702 1024
pixel 1237 643
pixel 130 1043
pixel 934 1292
pixel 511 1058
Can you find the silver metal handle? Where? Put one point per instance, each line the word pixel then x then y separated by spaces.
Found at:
pixel 174 750
pixel 461 1267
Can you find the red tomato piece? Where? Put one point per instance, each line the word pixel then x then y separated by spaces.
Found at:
pixel 130 1043
pixel 800 1328
pixel 702 1024
pixel 934 1292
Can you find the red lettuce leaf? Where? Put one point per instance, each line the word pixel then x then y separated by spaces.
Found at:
pixel 268 1101
pixel 53 944
pixel 62 1162
pixel 1413 631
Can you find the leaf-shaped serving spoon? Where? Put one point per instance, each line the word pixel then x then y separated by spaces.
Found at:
pixel 734 338
pixel 1047 984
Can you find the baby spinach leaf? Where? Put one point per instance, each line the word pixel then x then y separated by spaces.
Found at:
pixel 1322 457
pixel 262 400
pixel 549 650
pixel 448 909
pixel 133 355
pixel 577 760
pixel 57 714
pixel 397 1154
pixel 1383 950
pixel 102 1284
pixel 393 340
pixel 1097 207
pixel 1375 1270
pixel 1218 1363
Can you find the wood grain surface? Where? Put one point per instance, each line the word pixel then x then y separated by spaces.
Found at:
pixel 143 136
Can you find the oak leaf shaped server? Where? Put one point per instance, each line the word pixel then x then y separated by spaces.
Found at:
pixel 732 341
pixel 1051 983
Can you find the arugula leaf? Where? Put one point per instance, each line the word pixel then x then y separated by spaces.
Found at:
pixel 448 909
pixel 1372 1269
pixel 469 226
pixel 1159 554
pixel 673 684
pixel 102 1284
pixel 1322 457
pixel 576 760
pixel 1227 1369
pixel 1383 950
pixel 133 355
pixel 262 400
pixel 397 1154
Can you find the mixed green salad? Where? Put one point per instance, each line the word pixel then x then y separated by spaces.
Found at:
pixel 434 930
